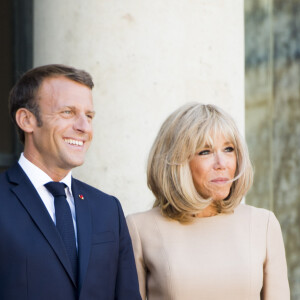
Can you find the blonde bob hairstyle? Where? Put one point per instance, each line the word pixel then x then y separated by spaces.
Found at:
pixel 169 177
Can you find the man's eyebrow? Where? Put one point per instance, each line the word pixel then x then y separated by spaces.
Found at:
pixel 91 112
pixel 68 106
pixel 74 108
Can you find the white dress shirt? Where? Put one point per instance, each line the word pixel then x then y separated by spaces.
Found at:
pixel 39 178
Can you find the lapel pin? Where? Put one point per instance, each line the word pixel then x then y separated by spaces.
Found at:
pixel 81 197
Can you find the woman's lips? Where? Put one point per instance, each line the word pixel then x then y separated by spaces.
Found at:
pixel 220 180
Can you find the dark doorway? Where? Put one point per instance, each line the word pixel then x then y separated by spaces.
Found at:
pixel 16 19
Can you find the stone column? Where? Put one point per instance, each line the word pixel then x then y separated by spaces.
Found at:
pixel 147 58
pixel 273 117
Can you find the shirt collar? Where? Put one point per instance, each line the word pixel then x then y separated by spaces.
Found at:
pixel 38 177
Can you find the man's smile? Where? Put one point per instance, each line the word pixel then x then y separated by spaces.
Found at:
pixel 74 142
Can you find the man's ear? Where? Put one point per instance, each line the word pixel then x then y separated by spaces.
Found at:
pixel 25 119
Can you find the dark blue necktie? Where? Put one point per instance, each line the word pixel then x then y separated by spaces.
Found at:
pixel 64 221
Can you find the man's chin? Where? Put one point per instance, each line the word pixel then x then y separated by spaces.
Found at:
pixel 74 163
pixel 78 164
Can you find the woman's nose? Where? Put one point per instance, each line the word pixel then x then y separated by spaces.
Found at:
pixel 219 161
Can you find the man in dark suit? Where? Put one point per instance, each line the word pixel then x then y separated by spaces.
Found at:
pixel 61 239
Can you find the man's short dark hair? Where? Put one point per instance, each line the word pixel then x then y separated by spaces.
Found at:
pixel 23 94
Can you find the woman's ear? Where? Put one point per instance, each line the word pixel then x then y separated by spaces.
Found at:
pixel 25 120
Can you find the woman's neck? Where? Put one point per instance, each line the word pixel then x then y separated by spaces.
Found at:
pixel 209 211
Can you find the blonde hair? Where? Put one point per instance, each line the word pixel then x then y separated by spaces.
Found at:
pixel 169 177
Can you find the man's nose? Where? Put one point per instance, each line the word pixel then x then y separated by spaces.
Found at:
pixel 83 124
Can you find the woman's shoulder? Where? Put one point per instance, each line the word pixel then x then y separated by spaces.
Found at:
pixel 258 215
pixel 147 224
pixel 145 216
pixel 146 213
pixel 152 218
pixel 246 208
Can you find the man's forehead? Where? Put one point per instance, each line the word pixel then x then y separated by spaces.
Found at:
pixel 54 82
pixel 60 85
pixel 53 96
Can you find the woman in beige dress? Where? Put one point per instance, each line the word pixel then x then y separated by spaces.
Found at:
pixel 199 242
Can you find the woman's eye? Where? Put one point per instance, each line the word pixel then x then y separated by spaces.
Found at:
pixel 67 112
pixel 229 149
pixel 204 152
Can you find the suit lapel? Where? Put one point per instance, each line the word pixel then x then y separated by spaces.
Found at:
pixel 84 229
pixel 29 197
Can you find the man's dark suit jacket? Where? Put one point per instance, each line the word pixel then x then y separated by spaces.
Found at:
pixel 33 262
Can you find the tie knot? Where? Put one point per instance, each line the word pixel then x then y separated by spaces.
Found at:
pixel 56 188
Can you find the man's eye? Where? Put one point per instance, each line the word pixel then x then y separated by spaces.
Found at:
pixel 67 113
pixel 229 149
pixel 90 116
pixel 204 152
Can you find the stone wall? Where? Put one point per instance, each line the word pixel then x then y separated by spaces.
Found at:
pixel 147 58
pixel 272 36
